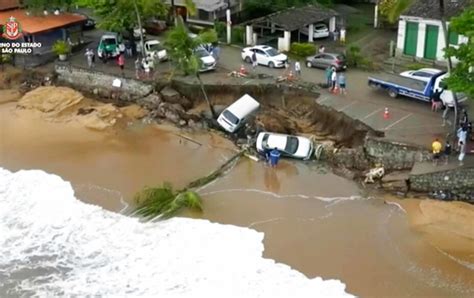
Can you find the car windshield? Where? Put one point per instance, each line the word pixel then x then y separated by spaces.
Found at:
pixel 272 52
pixel 423 74
pixel 231 117
pixel 201 53
pixel 320 27
pixel 156 47
pixel 110 41
pixel 291 145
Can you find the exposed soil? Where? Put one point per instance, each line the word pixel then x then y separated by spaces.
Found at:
pixel 62 104
pixel 286 110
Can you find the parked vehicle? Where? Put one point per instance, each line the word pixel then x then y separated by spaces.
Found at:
pixel 208 62
pixel 108 45
pixel 89 24
pixel 154 51
pixel 323 60
pixel 155 27
pixel 290 146
pixel 266 55
pixel 414 88
pixel 423 74
pixel 320 31
pixel 237 113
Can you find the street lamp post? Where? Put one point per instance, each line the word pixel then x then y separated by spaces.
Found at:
pixel 229 23
pixel 142 44
pixel 450 63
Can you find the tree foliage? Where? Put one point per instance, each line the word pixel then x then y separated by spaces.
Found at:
pixel 462 76
pixel 392 9
pixel 256 8
pixel 38 6
pixel 119 15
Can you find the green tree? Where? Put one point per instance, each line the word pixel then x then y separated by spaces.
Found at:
pixel 461 78
pixel 38 6
pixel 392 9
pixel 120 15
pixel 181 50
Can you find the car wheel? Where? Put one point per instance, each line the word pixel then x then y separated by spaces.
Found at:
pixel 392 93
pixel 248 60
pixel 309 65
pixel 271 64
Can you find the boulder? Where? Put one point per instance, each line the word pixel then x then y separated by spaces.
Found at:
pixel 172 96
pixel 152 101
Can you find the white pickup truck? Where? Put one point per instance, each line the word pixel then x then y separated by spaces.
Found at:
pixel 154 51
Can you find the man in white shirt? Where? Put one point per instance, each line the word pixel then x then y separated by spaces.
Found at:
pixel 297 68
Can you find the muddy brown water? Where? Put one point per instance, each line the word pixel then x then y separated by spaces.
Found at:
pixel 314 221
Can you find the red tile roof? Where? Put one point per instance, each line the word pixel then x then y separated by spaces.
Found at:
pixel 34 24
pixel 8 4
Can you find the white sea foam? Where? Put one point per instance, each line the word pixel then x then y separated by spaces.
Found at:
pixel 51 244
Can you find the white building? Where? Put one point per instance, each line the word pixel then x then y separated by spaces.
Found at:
pixel 420 33
pixel 207 10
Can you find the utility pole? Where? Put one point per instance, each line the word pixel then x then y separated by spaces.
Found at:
pixel 229 23
pixel 142 43
pixel 450 63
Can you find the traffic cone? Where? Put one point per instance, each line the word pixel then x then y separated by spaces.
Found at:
pixel 386 114
pixel 242 70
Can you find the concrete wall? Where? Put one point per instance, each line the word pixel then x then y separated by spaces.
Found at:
pixel 100 83
pixel 422 23
pixel 394 155
pixel 460 181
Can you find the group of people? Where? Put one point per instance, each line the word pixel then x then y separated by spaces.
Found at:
pixel 335 81
pixel 464 135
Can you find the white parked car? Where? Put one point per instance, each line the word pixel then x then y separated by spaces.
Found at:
pixel 422 74
pixel 320 30
pixel 291 146
pixel 208 61
pixel 266 55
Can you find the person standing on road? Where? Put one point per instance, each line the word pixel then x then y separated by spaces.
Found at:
pixel 342 83
pixel 328 75
pixel 462 152
pixel 462 135
pixel 121 62
pixel 298 68
pixel 447 152
pixel 128 48
pixel 138 68
pixel 334 81
pixel 321 49
pixel 146 67
pixel 121 48
pixel 436 100
pixel 436 147
pixel 254 60
pixel 89 56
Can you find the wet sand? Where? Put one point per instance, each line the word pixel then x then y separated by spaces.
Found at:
pixel 313 220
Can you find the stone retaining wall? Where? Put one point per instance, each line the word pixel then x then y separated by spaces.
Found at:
pixel 101 83
pixel 459 181
pixel 394 155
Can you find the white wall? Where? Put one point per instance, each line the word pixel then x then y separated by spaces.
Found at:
pixel 422 23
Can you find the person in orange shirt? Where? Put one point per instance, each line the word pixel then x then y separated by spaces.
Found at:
pixel 436 148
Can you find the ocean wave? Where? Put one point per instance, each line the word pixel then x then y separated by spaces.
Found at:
pixel 52 244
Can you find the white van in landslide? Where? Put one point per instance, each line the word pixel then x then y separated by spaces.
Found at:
pixel 236 114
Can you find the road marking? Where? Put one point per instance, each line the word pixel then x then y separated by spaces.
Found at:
pixel 398 121
pixel 345 107
pixel 373 113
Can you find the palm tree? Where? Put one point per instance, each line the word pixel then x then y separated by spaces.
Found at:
pixel 392 9
pixel 181 49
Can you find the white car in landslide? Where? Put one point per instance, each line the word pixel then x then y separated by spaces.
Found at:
pixel 290 146
pixel 266 55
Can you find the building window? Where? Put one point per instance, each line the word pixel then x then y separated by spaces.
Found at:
pixel 204 15
pixel 453 38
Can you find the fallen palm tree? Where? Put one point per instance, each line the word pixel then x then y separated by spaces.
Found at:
pixel 164 202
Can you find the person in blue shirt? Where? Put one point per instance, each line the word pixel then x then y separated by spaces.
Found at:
pixel 341 80
pixel 274 157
